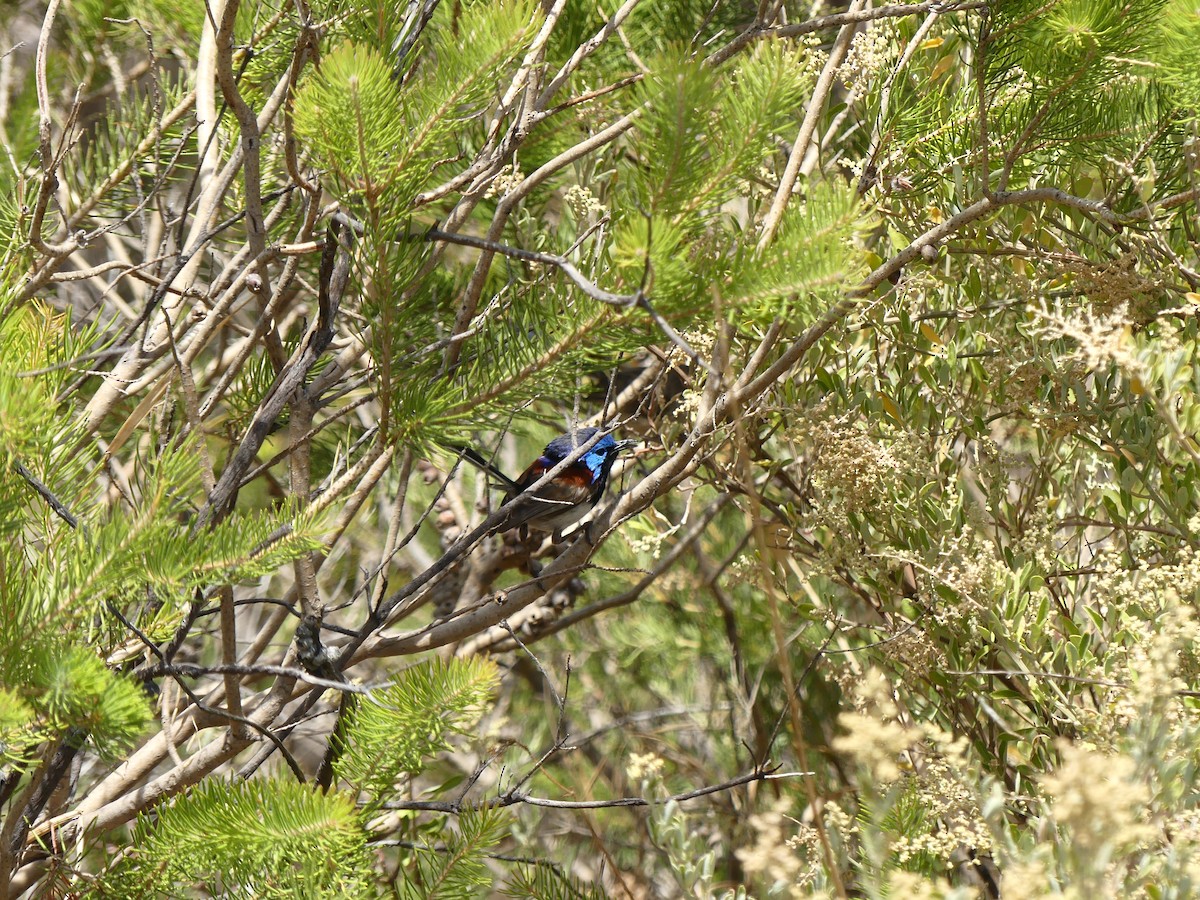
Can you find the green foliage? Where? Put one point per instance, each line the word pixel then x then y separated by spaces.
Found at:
pixel 91 14
pixel 806 260
pixel 1179 29
pixel 169 23
pixel 941 567
pixel 655 25
pixel 61 583
pixel 546 883
pixel 393 730
pixel 665 241
pixel 704 131
pixel 1084 35
pixel 74 688
pixel 50 689
pixel 676 96
pixel 703 134
pixel 424 419
pixel 30 409
pixel 15 255
pixel 49 684
pixel 651 29
pixel 184 21
pixel 383 143
pixel 1051 98
pixel 150 547
pixel 349 112
pixel 524 354
pixel 455 869
pixel 262 838
pixel 466 60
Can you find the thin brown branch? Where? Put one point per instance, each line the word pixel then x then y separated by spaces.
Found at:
pixel 46 494
pixel 49 159
pixel 512 799
pixel 589 287
pixel 759 31
pixel 335 273
pixel 816 106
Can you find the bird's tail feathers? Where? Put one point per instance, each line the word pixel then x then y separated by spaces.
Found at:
pixel 475 459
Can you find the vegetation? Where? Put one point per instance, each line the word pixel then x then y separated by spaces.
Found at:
pixel 896 596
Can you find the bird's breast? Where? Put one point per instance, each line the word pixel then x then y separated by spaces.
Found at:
pixel 560 503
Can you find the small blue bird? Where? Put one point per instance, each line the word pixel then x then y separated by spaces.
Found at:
pixel 573 492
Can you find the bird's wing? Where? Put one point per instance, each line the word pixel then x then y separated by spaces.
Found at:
pixel 556 505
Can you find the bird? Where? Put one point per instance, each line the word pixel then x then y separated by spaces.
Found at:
pixel 572 493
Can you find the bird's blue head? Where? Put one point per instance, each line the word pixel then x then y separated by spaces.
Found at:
pixel 598 459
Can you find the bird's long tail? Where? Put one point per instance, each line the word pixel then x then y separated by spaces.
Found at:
pixel 479 462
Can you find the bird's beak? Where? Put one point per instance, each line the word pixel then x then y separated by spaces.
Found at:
pixel 626 445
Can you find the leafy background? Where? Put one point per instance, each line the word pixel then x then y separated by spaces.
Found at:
pixel 901 598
